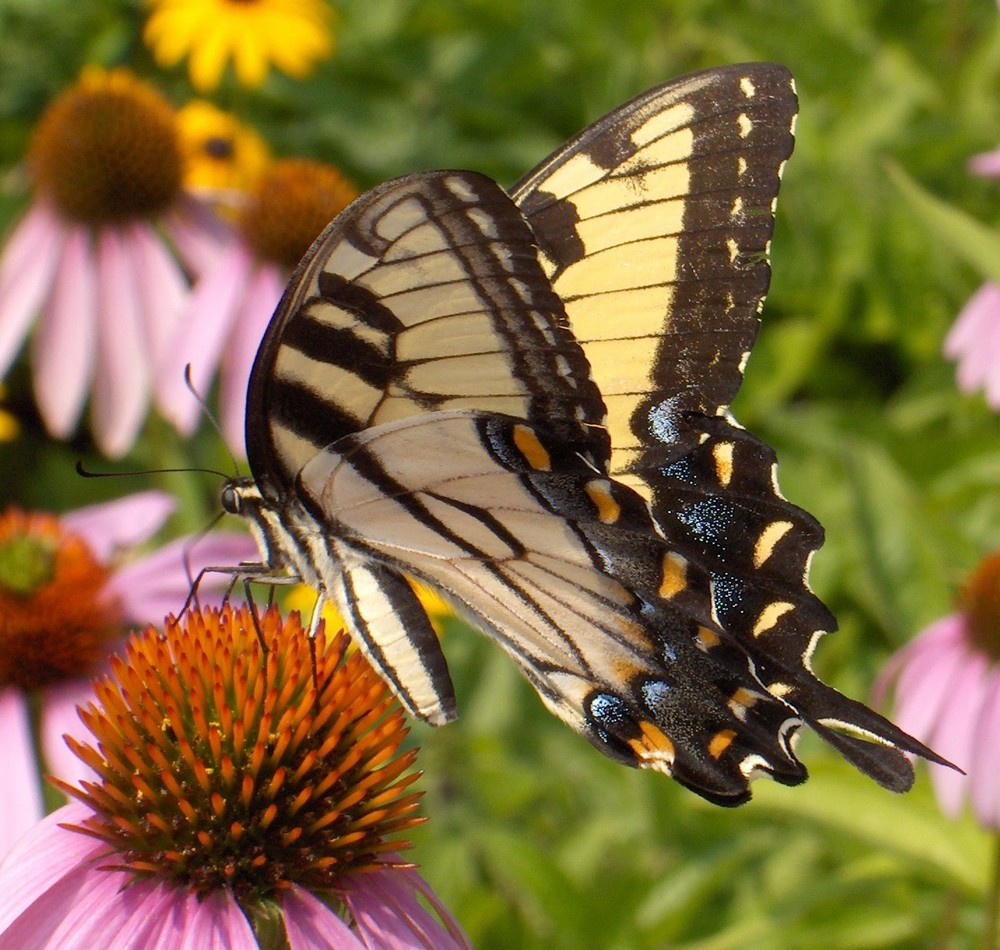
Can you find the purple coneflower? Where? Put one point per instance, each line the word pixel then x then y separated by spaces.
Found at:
pixel 974 343
pixel 68 591
pixel 947 684
pixel 88 260
pixel 230 307
pixel 249 791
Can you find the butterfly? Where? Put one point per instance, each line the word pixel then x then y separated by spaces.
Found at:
pixel 520 399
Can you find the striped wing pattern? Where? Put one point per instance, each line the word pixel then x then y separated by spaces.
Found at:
pixel 522 401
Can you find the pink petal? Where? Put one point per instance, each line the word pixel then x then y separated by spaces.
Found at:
pixel 20 790
pixel 385 906
pixel 953 734
pixel 310 924
pixel 63 348
pixel 215 923
pixel 121 385
pixel 200 235
pixel 59 718
pixel 259 303
pixel 202 330
pixel 40 874
pixel 159 584
pixel 986 164
pixel 973 321
pixel 26 268
pixel 123 523
pixel 936 658
pixel 162 285
pixel 984 771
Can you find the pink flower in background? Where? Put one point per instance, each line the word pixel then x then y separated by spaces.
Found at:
pixel 230 307
pixel 70 586
pixel 263 805
pixel 947 685
pixel 986 164
pixel 974 343
pixel 87 262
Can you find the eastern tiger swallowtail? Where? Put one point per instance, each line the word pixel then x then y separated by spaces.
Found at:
pixel 521 399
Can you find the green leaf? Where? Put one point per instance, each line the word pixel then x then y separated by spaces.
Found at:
pixel 973 241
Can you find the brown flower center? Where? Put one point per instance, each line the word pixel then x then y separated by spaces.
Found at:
pixel 223 766
pixel 291 205
pixel 55 616
pixel 980 599
pixel 107 149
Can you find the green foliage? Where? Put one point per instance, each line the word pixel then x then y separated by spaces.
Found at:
pixel 535 840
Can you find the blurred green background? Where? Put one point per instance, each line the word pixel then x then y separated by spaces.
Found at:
pixel 534 839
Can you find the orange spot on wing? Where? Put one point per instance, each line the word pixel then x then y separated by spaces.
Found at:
pixel 532 449
pixel 721 741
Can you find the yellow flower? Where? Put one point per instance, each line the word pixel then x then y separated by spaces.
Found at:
pixel 222 155
pixel 291 34
pixel 8 424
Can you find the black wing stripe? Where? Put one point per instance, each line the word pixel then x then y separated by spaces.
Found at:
pixel 429 247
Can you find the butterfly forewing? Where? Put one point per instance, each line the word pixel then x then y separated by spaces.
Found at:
pixel 522 401
pixel 655 224
pixel 424 295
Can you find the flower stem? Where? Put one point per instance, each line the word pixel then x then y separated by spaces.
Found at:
pixel 990 931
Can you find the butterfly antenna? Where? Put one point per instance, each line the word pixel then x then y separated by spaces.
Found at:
pixel 85 472
pixel 207 412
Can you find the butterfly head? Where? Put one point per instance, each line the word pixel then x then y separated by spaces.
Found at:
pixel 246 498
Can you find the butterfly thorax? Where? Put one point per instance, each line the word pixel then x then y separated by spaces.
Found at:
pixel 281 526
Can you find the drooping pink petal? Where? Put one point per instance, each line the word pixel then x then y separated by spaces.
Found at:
pixel 215 923
pixel 388 914
pixel 157 585
pixel 954 732
pixel 40 875
pixel 262 296
pixel 59 718
pixel 311 925
pixel 927 680
pixel 64 346
pixel 986 164
pixel 122 381
pixel 26 267
pixel 973 321
pixel 122 523
pixel 984 771
pixel 202 330
pixel 200 235
pixel 20 788
pixel 162 285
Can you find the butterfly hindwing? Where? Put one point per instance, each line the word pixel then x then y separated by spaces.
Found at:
pixel 512 528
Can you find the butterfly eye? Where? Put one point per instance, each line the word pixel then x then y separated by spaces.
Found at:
pixel 230 500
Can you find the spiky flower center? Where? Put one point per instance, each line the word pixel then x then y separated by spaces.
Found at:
pixel 980 599
pixel 223 765
pixel 56 615
pixel 106 150
pixel 291 205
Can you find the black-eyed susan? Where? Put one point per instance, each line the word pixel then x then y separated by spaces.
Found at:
pixel 70 587
pixel 249 790
pixel 255 34
pixel 89 257
pixel 231 306
pixel 223 157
